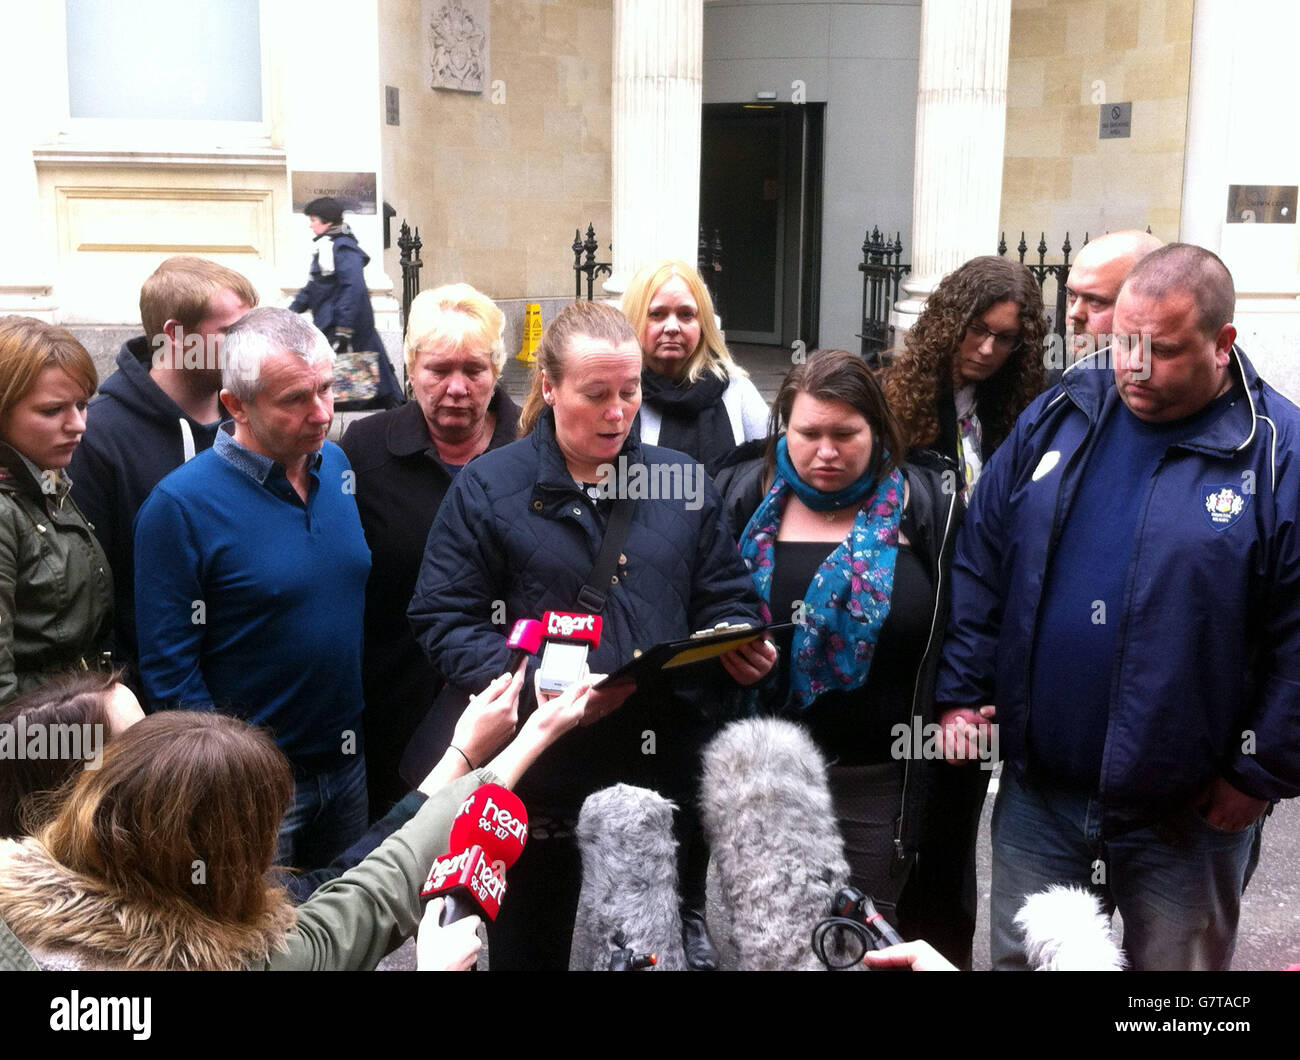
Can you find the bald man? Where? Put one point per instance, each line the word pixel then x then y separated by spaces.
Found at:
pixel 1094 283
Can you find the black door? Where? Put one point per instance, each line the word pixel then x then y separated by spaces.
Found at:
pixel 760 194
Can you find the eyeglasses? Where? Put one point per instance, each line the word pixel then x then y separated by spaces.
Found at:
pixel 1006 341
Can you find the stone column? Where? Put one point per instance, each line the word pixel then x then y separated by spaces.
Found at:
pixel 658 88
pixel 961 118
pixel 1239 89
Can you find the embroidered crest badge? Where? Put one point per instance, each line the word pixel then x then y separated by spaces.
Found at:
pixel 1223 505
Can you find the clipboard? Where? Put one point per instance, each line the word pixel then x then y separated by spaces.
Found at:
pixel 689 651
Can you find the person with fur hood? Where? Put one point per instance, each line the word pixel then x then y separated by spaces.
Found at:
pixel 160 860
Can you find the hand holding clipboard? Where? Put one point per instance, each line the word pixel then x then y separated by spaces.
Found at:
pixel 701 647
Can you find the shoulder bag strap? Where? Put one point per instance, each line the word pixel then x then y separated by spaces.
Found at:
pixel 594 593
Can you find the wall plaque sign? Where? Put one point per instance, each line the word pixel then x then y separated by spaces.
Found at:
pixel 1263 204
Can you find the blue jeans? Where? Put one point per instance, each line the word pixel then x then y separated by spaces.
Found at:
pixel 1177 884
pixel 328 814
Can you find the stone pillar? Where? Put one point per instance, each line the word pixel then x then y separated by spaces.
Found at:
pixel 658 88
pixel 1240 86
pixel 961 118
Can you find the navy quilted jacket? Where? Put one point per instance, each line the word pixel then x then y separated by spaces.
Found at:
pixel 515 537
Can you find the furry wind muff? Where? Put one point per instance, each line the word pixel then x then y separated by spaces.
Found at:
pixel 629 879
pixel 1066 930
pixel 71 921
pixel 777 850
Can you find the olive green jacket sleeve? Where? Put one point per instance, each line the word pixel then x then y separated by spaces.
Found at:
pixel 56 590
pixel 8 598
pixel 352 922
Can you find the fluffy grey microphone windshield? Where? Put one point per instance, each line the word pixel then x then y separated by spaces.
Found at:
pixel 776 848
pixel 1066 931
pixel 629 879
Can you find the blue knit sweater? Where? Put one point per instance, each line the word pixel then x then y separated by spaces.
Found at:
pixel 250 602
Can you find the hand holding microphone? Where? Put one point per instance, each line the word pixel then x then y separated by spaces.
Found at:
pixel 453 948
pixel 491 716
pixel 546 724
pixel 487 836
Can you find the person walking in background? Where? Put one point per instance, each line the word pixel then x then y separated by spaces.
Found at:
pixel 337 295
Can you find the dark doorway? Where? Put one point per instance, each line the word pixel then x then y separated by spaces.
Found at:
pixel 760 191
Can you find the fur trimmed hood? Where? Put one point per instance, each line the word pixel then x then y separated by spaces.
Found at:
pixel 68 920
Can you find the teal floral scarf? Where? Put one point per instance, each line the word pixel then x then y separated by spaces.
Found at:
pixel 848 597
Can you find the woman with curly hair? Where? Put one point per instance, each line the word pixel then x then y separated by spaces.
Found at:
pixel 972 362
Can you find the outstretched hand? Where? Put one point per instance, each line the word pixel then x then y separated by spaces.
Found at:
pixel 490 718
pixel 919 956
pixel 545 725
pixel 556 716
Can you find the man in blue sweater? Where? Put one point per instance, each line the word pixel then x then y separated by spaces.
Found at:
pixel 1126 593
pixel 155 412
pixel 251 569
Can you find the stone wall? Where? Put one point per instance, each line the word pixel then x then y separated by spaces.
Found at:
pixel 497 188
pixel 1067 58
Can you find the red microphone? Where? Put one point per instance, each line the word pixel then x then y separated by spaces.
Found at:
pixel 487 836
pixel 525 639
pixel 569 637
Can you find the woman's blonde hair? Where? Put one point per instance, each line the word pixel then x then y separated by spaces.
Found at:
pixel 594 320
pixel 29 346
pixel 459 315
pixel 711 354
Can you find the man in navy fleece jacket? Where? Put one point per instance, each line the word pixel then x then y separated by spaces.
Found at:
pixel 155 412
pixel 251 569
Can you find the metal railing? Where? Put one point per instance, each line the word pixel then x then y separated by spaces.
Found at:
pixel 1059 271
pixel 882 271
pixel 587 266
pixel 409 244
